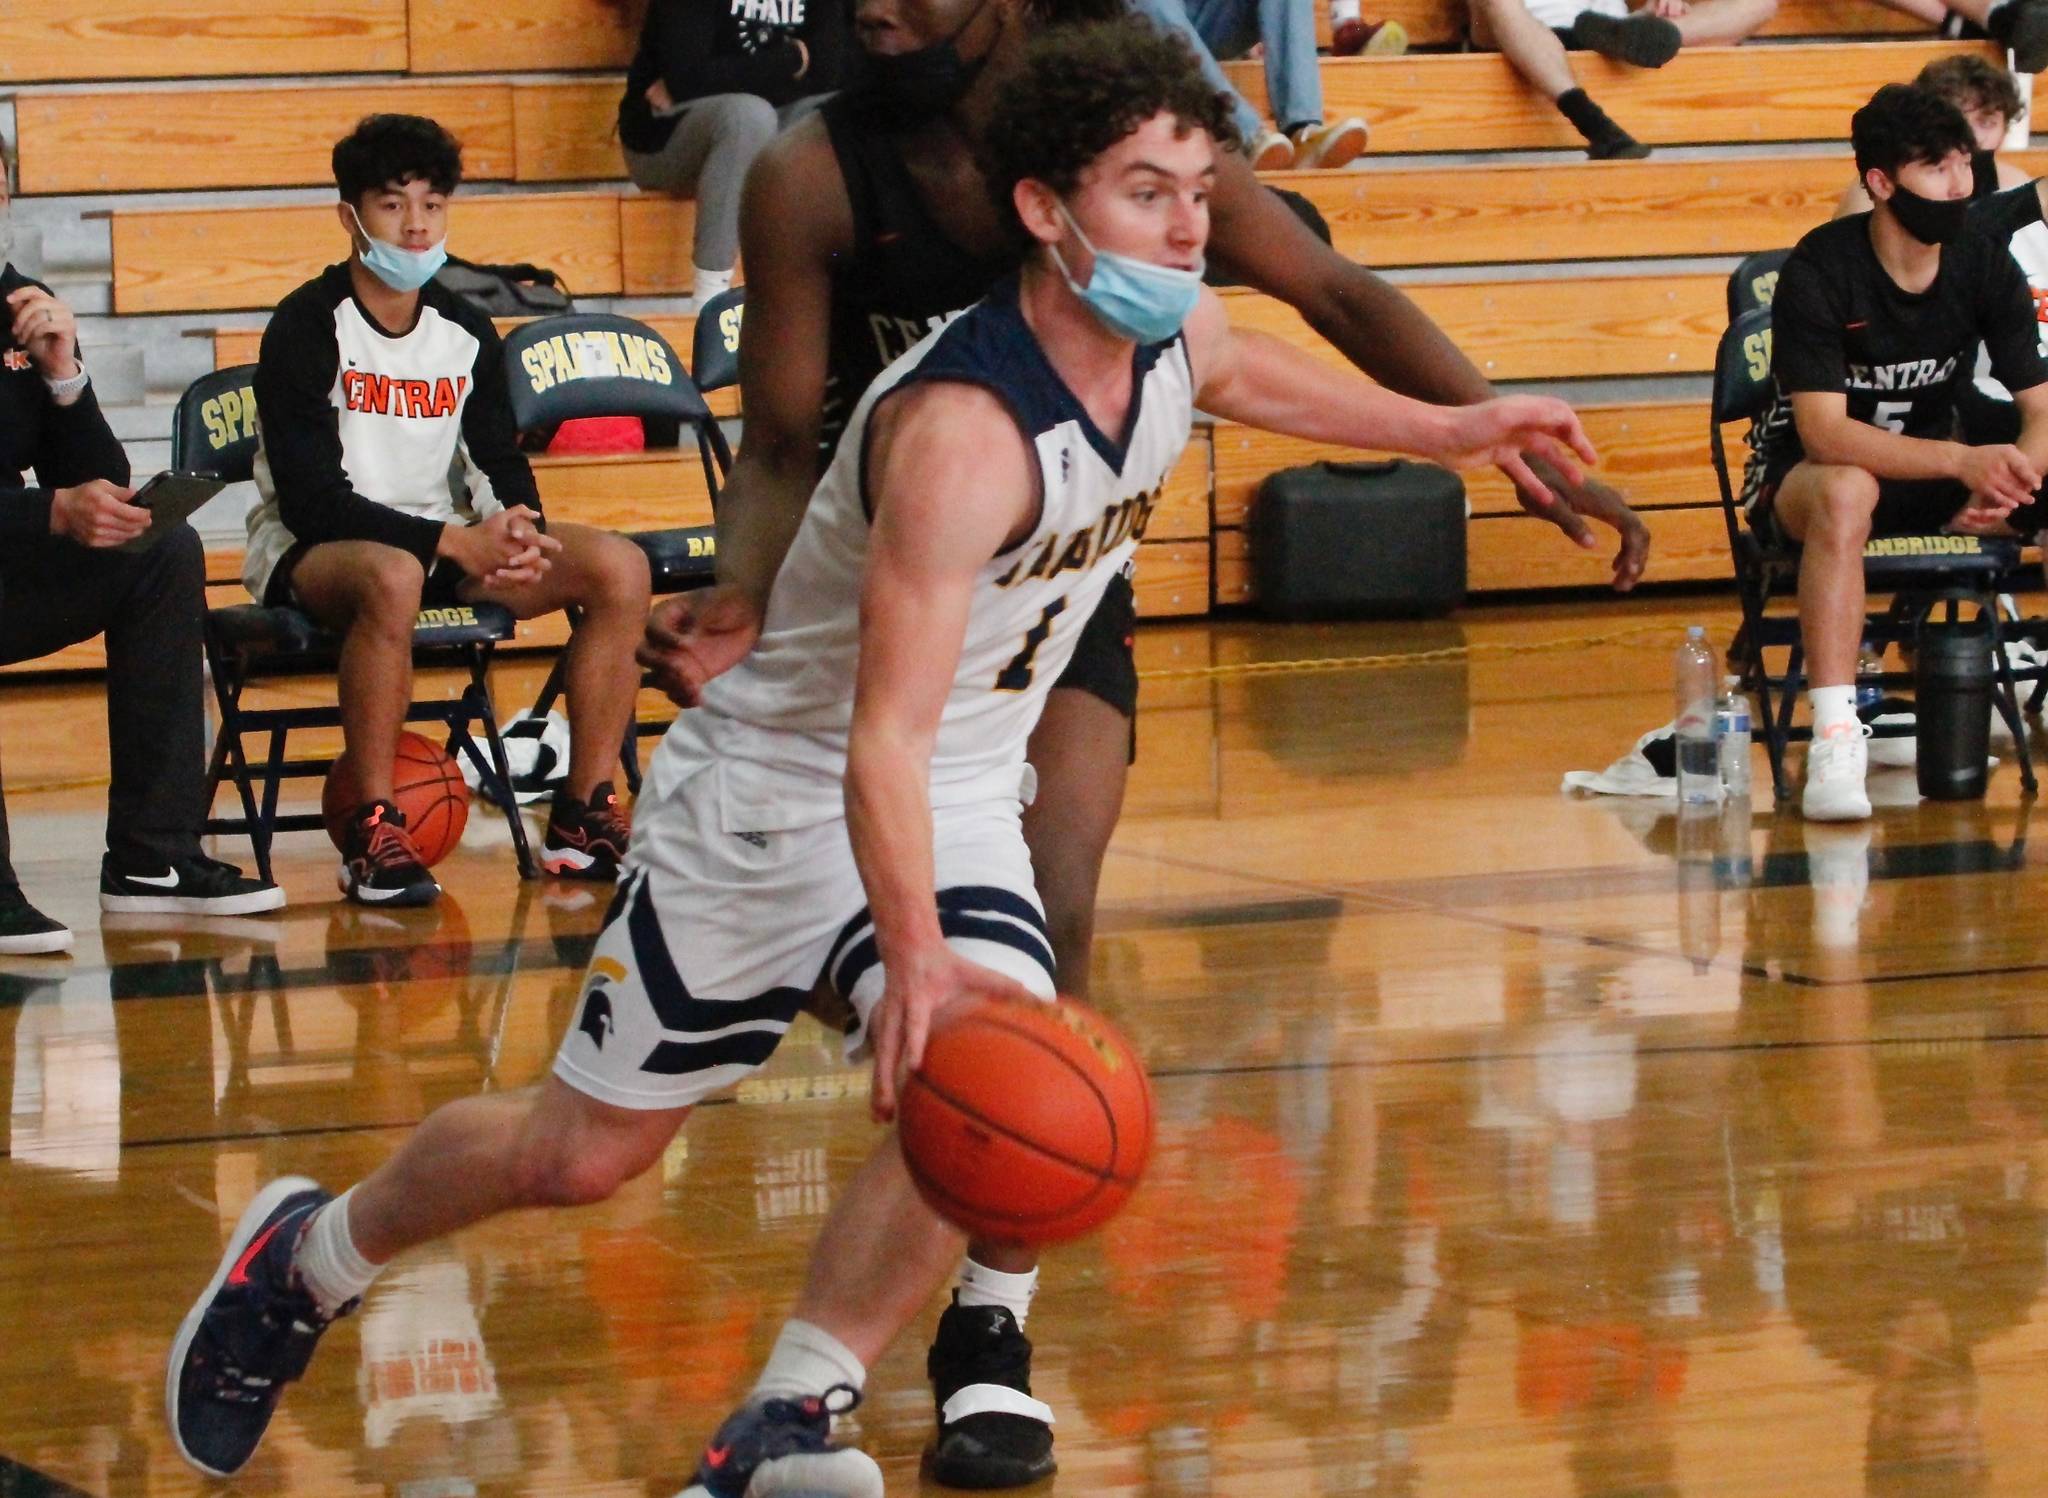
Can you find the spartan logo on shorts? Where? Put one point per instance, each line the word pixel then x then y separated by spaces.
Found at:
pixel 596 1019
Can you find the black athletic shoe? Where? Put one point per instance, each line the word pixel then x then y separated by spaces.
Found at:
pixel 252 1332
pixel 1620 146
pixel 25 931
pixel 380 864
pixel 192 886
pixel 796 1435
pixel 587 839
pixel 992 1433
pixel 1641 40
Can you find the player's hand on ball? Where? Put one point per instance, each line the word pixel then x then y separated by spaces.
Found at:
pixel 695 637
pixel 1506 431
pixel 916 991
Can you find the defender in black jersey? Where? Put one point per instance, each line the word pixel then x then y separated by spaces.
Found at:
pixel 861 230
pixel 1876 324
pixel 372 383
pixel 2018 219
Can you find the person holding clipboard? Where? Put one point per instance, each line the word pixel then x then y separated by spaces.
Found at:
pixel 77 560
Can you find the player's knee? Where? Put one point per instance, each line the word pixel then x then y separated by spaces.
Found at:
pixel 619 576
pixel 583 1158
pixel 388 588
pixel 752 119
pixel 1848 496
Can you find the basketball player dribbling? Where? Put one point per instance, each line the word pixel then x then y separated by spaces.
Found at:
pixel 864 227
pixel 843 810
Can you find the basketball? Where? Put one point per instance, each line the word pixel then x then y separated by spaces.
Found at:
pixel 1027 1123
pixel 426 785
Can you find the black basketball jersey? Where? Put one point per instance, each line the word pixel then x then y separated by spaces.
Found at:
pixel 1841 325
pixel 903 277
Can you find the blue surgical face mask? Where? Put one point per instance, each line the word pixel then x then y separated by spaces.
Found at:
pixel 1134 299
pixel 401 270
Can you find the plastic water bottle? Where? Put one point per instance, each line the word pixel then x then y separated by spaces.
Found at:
pixel 1731 737
pixel 1869 682
pixel 1699 769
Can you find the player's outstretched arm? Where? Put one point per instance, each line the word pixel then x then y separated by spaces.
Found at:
pixel 1264 382
pixel 950 484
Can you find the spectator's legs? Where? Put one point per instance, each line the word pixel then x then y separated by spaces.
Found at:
pixel 1174 16
pixel 1534 51
pixel 605 576
pixel 716 139
pixel 1827 508
pixel 1722 23
pixel 149 604
pixel 370 593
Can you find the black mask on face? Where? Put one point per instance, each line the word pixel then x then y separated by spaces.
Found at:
pixel 903 90
pixel 1929 220
pixel 1983 168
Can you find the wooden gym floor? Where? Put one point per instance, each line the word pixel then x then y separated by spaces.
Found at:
pixel 1501 1153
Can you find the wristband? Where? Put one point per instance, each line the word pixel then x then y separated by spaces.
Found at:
pixel 64 392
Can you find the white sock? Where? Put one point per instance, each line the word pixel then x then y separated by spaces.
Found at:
pixel 711 283
pixel 982 1286
pixel 808 1360
pixel 330 1266
pixel 1342 11
pixel 1834 710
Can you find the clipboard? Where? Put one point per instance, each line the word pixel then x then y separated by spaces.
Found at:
pixel 170 497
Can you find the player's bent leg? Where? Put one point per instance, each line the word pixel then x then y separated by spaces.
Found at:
pixel 1722 23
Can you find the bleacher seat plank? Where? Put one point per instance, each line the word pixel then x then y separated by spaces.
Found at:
pixel 173 140
pixel 629 492
pixel 233 346
pixel 1583 327
pixel 1513 552
pixel 1654 452
pixel 485 36
pixel 1581 210
pixel 656 235
pixel 1435 22
pixel 42 41
pixel 1476 102
pixel 217 259
pixel 1172 580
pixel 564 129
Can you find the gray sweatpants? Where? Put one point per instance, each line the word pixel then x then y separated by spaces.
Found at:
pixel 716 139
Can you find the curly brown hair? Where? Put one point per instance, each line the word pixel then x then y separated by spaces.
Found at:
pixel 1081 89
pixel 1973 83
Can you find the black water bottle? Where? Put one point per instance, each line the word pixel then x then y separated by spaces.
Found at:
pixel 1952 689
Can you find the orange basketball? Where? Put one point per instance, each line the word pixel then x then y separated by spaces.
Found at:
pixel 1027 1123
pixel 426 785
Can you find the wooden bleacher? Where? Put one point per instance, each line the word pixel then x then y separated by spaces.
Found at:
pixel 1442 22
pixel 1476 102
pixel 42 43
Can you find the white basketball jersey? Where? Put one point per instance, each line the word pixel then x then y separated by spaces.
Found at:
pixel 777 724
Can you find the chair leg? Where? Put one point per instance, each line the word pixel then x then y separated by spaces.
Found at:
pixel 479 699
pixel 2009 697
pixel 229 757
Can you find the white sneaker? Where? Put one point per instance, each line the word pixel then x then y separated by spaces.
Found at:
pixel 1835 770
pixel 1321 147
pixel 1272 152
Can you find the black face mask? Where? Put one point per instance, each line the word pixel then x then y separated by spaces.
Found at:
pixel 1929 220
pixel 906 89
pixel 1984 167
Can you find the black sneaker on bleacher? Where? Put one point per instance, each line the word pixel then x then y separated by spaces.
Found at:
pixel 1640 40
pixel 192 886
pixel 992 1433
pixel 25 931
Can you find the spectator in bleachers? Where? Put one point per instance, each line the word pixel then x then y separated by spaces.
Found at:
pixel 2020 26
pixel 1534 34
pixel 1989 100
pixel 63 580
pixel 2017 219
pixel 711 83
pixel 373 385
pixel 1286 29
pixel 1876 322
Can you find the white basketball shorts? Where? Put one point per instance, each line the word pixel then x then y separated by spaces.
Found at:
pixel 716 938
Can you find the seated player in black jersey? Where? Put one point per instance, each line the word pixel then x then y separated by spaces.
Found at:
pixel 1989 100
pixel 374 386
pixel 863 229
pixel 1876 323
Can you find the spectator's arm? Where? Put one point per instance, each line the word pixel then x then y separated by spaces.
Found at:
pixel 487 429
pixel 77 444
pixel 295 374
pixel 685 38
pixel 2033 439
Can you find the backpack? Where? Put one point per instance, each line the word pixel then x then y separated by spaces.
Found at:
pixel 506 290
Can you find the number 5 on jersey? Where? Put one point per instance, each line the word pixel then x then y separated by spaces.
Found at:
pixel 1016 676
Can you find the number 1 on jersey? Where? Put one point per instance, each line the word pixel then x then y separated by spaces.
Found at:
pixel 1016 676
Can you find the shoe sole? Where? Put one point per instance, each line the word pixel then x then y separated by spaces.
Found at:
pixel 255 902
pixel 847 1472
pixel 987 1476
pixel 425 893
pixel 1847 814
pixel 40 944
pixel 570 863
pixel 252 1218
pixel 1274 159
pixel 1339 149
